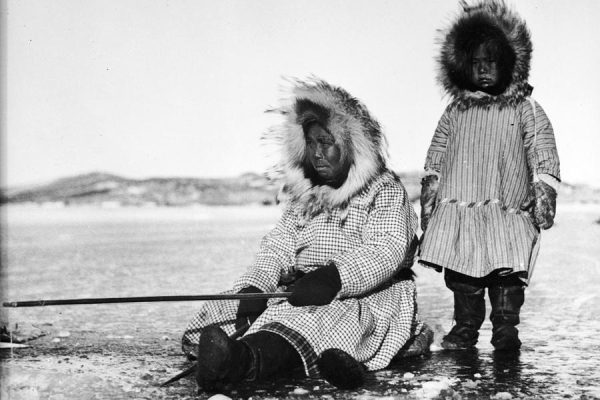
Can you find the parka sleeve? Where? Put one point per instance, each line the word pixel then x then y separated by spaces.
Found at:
pixel 387 239
pixel 437 148
pixel 275 254
pixel 542 155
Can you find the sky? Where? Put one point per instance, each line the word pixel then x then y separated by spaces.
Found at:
pixel 159 88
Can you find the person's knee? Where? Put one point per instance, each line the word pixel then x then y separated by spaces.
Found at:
pixel 463 284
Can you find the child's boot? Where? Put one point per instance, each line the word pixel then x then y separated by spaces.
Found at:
pixel 506 305
pixel 222 360
pixel 469 313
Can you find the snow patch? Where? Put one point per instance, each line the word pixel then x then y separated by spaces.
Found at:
pixel 502 396
pixel 433 389
pixel 300 391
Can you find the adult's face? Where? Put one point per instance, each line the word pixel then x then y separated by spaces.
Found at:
pixel 484 69
pixel 325 155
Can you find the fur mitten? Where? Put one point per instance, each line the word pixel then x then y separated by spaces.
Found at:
pixel 541 204
pixel 316 288
pixel 249 309
pixel 429 189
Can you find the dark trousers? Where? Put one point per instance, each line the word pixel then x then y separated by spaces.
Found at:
pixel 456 281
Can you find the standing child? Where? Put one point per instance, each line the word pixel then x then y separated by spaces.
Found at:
pixel 491 174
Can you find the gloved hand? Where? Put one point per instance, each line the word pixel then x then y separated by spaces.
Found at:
pixel 541 204
pixel 429 189
pixel 249 309
pixel 316 288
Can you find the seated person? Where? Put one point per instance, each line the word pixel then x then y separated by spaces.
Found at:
pixel 347 234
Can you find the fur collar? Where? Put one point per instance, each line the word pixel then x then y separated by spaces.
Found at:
pixel 495 18
pixel 356 132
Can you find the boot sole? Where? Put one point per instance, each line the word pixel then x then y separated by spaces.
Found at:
pixel 341 369
pixel 213 357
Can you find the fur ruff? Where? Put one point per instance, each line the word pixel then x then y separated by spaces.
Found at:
pixel 487 17
pixel 356 132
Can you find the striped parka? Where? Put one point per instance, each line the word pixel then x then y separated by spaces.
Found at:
pixel 486 151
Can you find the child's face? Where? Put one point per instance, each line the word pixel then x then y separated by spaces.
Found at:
pixel 484 69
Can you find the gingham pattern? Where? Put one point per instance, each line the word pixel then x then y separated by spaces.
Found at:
pixel 486 158
pixel 373 315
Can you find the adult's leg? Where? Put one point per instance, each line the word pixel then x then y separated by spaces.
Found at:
pixel 257 356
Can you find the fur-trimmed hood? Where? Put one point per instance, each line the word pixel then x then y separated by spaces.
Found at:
pixel 356 132
pixel 484 19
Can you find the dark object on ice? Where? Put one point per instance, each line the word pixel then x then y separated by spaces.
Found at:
pixel 144 299
pixel 180 375
pixel 260 355
pixel 506 304
pixel 22 333
pixel 341 369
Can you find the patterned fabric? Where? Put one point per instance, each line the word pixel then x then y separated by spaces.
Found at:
pixel 486 157
pixel 373 315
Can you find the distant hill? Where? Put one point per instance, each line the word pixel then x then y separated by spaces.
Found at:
pixel 102 188
pixel 250 188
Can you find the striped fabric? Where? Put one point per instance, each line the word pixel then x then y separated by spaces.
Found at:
pixel 486 158
pixel 373 315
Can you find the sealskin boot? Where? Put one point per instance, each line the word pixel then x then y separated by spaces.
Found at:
pixel 506 305
pixel 469 313
pixel 220 359
pixel 272 355
pixel 341 369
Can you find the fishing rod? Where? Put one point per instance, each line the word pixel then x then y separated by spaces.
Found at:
pixel 145 299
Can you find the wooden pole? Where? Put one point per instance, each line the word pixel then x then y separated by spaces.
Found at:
pixel 146 299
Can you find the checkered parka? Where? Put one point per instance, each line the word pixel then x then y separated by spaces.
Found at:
pixel 373 315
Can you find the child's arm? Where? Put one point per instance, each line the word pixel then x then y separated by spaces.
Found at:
pixel 437 148
pixel 433 166
pixel 544 165
pixel 540 144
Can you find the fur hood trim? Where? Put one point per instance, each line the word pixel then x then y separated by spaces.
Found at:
pixel 489 18
pixel 356 132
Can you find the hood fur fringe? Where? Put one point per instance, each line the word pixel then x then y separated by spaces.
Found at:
pixel 356 132
pixel 496 17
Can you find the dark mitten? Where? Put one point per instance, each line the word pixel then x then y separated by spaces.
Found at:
pixel 429 189
pixel 249 309
pixel 316 288
pixel 541 204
